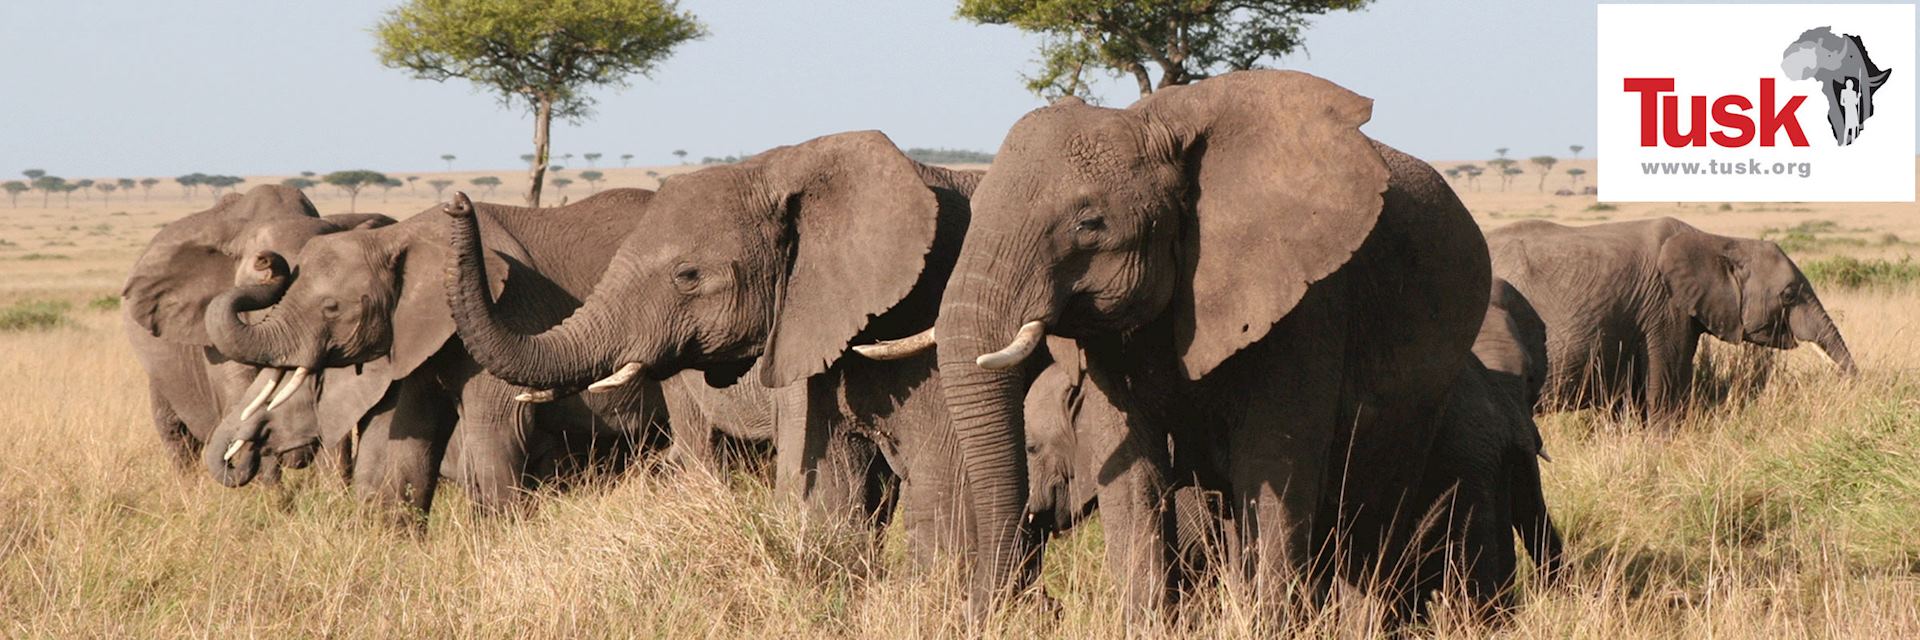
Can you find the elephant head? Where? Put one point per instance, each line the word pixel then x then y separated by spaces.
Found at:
pixel 1057 497
pixel 194 259
pixel 784 257
pixel 354 312
pixel 1206 210
pixel 1748 291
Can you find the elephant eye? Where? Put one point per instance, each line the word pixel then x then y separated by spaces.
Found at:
pixel 330 308
pixel 686 277
pixel 1091 224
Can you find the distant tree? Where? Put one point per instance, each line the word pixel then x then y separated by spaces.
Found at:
pixel 1577 174
pixel 561 184
pixel 488 182
pixel 593 179
pixel 410 181
pixel 106 190
pixel 949 156
pixel 527 158
pixel 126 184
pixel 190 182
pixel 1186 39
pixel 14 188
pixel 624 159
pixel 1502 151
pixel 146 188
pixel 449 158
pixel 1500 167
pixel 34 174
pixel 1576 149
pixel 48 185
pixel 352 182
pixel 567 157
pixel 681 154
pixel 1472 172
pixel 302 184
pixel 655 175
pixel 592 158
pixel 218 183
pixel 82 185
pixel 387 186
pixel 544 55
pixel 1453 174
pixel 1546 168
pixel 66 193
pixel 1507 175
pixel 307 174
pixel 440 186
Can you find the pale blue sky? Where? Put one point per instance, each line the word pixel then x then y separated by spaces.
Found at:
pixel 146 87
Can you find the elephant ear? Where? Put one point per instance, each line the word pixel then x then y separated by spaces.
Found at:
pixel 1701 273
pixel 1283 189
pixel 193 259
pixel 1067 355
pixel 348 393
pixel 422 322
pixel 861 221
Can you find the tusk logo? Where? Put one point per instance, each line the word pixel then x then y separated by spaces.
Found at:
pixel 1847 76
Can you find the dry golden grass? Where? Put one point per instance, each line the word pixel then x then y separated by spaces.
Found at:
pixel 1788 511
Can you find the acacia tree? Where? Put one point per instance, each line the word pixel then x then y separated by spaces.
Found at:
pixel 484 181
pixel 126 184
pixel 449 158
pixel 352 182
pixel 1546 168
pixel 146 188
pixel 81 185
pixel 1186 39
pixel 593 179
pixel 106 189
pixel 542 55
pixel 14 189
pixel 593 158
pixel 410 181
pixel 440 186
pixel 1576 173
pixel 302 184
pixel 48 185
pixel 1576 149
pixel 681 154
pixel 624 159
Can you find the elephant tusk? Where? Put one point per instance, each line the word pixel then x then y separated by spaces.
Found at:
pixel 287 388
pixel 536 396
pixel 1543 454
pixel 1017 351
pixel 897 349
pixel 1823 353
pixel 272 376
pixel 618 379
pixel 233 449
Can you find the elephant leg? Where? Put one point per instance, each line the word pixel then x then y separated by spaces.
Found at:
pixel 1280 418
pixel 1128 456
pixel 1669 377
pixel 175 438
pixel 494 431
pixel 924 453
pixel 692 431
pixel 398 461
pixel 819 462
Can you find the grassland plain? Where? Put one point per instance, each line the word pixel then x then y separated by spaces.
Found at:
pixel 1790 509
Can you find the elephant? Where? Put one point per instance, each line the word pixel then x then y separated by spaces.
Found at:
pixel 781 261
pixel 193 387
pixel 1625 304
pixel 1512 344
pixel 374 299
pixel 1252 279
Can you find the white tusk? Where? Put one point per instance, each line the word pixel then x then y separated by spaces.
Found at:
pixel 618 379
pixel 1823 353
pixel 287 388
pixel 1017 351
pixel 233 449
pixel 897 349
pixel 272 377
pixel 1543 454
pixel 537 396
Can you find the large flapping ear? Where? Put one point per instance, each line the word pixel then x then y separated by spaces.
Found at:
pixel 1283 187
pixel 347 394
pixel 1067 356
pixel 1705 279
pixel 193 259
pixel 861 221
pixel 422 322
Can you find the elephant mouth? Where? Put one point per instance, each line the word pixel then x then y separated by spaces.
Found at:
pixel 724 375
pixel 298 457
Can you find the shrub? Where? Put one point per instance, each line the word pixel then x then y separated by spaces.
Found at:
pixel 104 302
pixel 34 315
pixel 1602 206
pixel 1853 273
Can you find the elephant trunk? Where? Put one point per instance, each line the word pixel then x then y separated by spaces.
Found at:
pixel 978 317
pixel 267 343
pixel 1810 323
pixel 559 357
pixel 232 453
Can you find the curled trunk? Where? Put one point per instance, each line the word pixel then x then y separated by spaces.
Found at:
pixel 1811 323
pixel 267 343
pixel 559 357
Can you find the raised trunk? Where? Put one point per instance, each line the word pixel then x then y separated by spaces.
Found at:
pixel 1811 323
pixel 542 123
pixel 560 357
pixel 267 343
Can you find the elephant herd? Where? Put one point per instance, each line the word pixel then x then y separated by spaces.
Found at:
pixel 1271 350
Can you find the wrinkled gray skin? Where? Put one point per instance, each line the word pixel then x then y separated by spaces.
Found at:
pixel 376 298
pixel 784 259
pixel 1241 216
pixel 1625 304
pixel 192 386
pixel 1512 344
